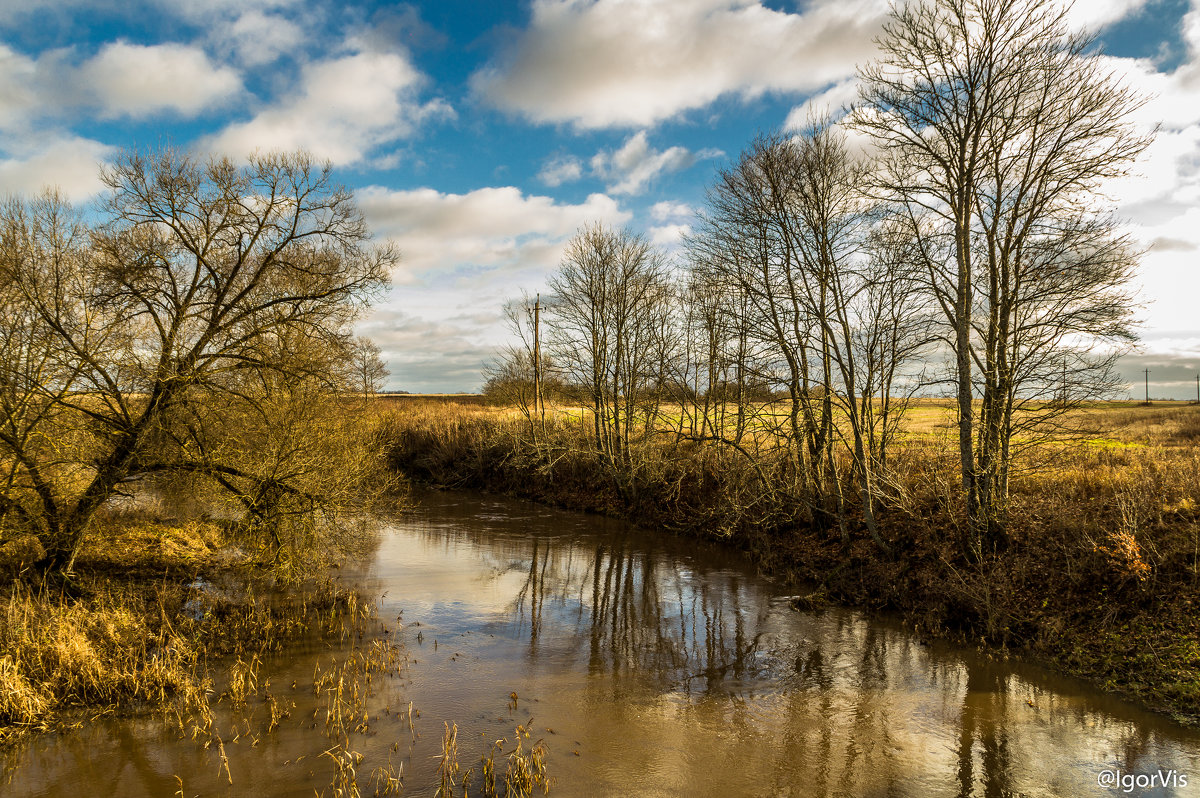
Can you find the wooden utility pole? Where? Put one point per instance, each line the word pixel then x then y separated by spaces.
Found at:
pixel 1147 373
pixel 539 405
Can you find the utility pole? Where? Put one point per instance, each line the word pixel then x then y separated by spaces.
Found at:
pixel 1198 389
pixel 538 403
pixel 1147 373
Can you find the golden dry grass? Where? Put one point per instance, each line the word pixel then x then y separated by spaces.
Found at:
pixel 134 629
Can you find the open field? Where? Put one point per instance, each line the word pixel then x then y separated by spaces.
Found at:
pixel 1101 578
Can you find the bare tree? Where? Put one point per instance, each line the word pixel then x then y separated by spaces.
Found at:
pixel 789 233
pixel 748 243
pixel 367 369
pixel 208 287
pixel 610 328
pixel 997 128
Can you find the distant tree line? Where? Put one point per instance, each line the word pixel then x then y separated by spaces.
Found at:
pixel 951 231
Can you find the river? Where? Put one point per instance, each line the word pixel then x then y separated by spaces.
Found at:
pixel 649 665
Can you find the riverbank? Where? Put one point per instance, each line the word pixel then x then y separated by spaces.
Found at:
pixel 1100 580
pixel 157 615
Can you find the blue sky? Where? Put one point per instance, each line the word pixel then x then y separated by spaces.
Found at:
pixel 479 136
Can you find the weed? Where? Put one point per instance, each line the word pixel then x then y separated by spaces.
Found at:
pixel 388 779
pixel 448 763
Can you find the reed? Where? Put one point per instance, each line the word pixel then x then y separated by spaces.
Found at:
pixel 388 779
pixel 345 774
pixel 447 769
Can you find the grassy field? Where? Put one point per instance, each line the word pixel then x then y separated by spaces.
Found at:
pixel 1101 578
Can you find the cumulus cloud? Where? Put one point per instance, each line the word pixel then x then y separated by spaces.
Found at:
pixel 668 236
pixel 495 228
pixel 122 79
pixel 256 37
pixel 602 63
pixel 66 162
pixel 669 210
pixel 343 109
pixel 138 80
pixel 561 169
pixel 433 355
pixel 630 169
pixel 1161 200
pixel 38 95
pixel 1095 14
pixel 828 102
pixel 19 76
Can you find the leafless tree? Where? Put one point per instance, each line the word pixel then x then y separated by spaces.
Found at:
pixel 789 232
pixel 367 369
pixel 747 242
pixel 610 328
pixel 517 373
pixel 202 314
pixel 997 128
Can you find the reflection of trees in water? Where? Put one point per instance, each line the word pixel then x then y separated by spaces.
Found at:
pixel 984 713
pixel 849 706
pixel 640 611
pixel 851 719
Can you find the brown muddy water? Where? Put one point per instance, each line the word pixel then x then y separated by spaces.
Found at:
pixel 650 666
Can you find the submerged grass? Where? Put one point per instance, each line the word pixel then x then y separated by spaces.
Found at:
pixel 145 622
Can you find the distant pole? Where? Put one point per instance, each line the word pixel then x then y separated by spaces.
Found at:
pixel 538 402
pixel 1198 389
pixel 1147 373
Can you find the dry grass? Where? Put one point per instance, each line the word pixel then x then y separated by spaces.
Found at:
pixel 150 607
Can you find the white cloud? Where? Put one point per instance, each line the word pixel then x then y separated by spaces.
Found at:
pixel 139 80
pixel 66 162
pixel 830 102
pixel 259 38
pixel 481 231
pixel 630 169
pixel 669 210
pixel 601 63
pixel 251 32
pixel 434 355
pixel 18 88
pixel 561 169
pixel 344 108
pixel 122 79
pixel 1095 14
pixel 668 236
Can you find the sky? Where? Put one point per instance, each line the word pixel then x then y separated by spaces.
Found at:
pixel 478 137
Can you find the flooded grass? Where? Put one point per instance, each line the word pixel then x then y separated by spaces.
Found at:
pixel 448 763
pixel 145 622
